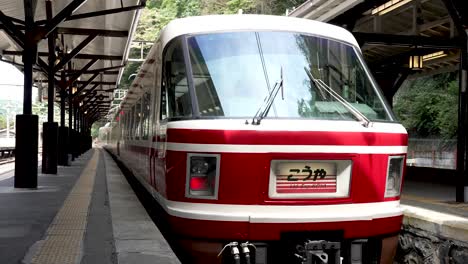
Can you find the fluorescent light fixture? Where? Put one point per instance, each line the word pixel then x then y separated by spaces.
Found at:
pixel 389 6
pixel 435 55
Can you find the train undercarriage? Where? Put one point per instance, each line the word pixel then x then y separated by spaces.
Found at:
pixel 296 250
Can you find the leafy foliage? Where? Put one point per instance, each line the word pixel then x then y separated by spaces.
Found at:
pixel 95 129
pixel 427 107
pixel 2 122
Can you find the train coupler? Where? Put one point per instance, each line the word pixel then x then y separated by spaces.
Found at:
pixel 319 252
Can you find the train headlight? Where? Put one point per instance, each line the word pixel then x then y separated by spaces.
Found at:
pixel 202 176
pixel 394 176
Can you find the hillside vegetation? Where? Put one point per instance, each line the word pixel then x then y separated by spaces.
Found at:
pixel 158 13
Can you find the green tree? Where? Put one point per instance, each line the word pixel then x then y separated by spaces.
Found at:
pixel 427 107
pixel 2 121
pixel 95 129
pixel 233 6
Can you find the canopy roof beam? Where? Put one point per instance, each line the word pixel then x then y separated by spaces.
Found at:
pixel 404 40
pixel 104 69
pixel 68 73
pixel 12 30
pixel 89 31
pixel 86 83
pixel 52 24
pixel 80 98
pixel 77 75
pixel 68 57
pixel 78 56
pixel 457 14
pixel 101 12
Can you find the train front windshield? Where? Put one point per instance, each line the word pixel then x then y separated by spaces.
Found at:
pixel 233 74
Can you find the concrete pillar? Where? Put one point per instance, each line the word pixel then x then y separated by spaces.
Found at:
pixel 26 151
pixel 63 142
pixel 50 147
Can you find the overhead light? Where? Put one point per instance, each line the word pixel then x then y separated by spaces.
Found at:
pixel 416 62
pixel 74 89
pixel 389 6
pixel 434 55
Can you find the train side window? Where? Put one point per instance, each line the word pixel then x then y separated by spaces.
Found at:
pixel 128 120
pixel 163 103
pixel 132 122
pixel 175 90
pixel 145 113
pixel 138 120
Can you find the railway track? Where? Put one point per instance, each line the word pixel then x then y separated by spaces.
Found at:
pixel 7 155
pixel 6 161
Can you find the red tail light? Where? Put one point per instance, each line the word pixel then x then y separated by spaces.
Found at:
pixel 199 184
pixel 202 176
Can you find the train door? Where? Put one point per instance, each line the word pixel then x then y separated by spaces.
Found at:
pixel 145 149
pixel 173 92
pixel 154 117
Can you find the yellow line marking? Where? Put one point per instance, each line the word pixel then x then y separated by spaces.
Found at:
pixel 64 237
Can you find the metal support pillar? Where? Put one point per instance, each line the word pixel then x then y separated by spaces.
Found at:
pixel 27 123
pixel 78 132
pixel 50 128
pixel 63 130
pixel 75 131
pixel 462 150
pixel 82 131
pixel 70 122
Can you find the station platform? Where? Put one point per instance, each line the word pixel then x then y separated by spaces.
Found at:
pixel 87 213
pixel 434 226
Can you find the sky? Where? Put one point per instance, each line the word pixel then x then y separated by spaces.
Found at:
pixel 11 83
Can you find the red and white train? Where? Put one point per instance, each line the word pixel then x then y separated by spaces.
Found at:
pixel 265 140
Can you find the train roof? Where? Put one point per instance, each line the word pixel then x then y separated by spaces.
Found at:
pixel 223 23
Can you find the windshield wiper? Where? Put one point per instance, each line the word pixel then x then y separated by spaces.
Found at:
pixel 324 87
pixel 262 112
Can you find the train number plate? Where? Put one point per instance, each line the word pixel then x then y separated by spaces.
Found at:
pixel 305 177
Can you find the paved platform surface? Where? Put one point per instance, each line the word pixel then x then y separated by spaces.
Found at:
pixel 87 213
pixel 432 208
pixel 435 197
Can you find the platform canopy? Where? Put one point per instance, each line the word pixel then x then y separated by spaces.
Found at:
pixel 92 43
pixel 384 28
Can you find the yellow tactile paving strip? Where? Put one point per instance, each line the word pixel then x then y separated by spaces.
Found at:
pixel 64 237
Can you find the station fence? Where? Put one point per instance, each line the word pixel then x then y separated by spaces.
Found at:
pixel 433 153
